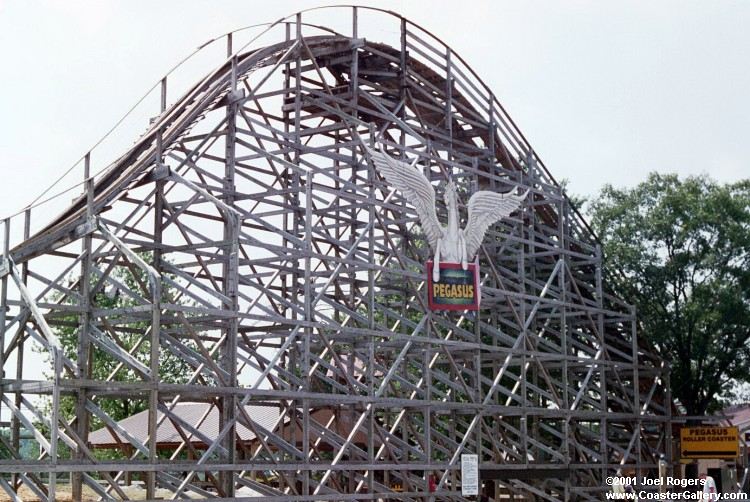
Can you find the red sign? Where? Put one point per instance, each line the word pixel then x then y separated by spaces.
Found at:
pixel 457 289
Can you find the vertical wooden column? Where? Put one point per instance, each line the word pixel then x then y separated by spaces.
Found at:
pixel 637 418
pixel 3 319
pixel 84 320
pixel 5 264
pixel 288 284
pixel 476 358
pixel 155 342
pixel 562 276
pixel 307 292
pixel 291 184
pixel 524 248
pixel 603 367
pixel 21 347
pixel 230 273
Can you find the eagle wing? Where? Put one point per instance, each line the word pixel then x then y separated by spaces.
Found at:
pixel 415 187
pixel 485 208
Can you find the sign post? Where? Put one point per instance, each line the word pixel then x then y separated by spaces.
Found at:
pixel 469 474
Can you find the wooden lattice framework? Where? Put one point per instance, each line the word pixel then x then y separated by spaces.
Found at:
pixel 297 283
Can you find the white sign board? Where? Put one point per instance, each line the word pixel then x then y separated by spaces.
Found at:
pixel 469 474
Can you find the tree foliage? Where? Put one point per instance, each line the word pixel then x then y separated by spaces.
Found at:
pixel 682 248
pixel 130 336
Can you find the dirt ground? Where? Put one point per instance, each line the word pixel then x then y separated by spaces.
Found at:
pixel 63 494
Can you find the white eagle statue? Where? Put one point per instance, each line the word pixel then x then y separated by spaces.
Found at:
pixel 449 243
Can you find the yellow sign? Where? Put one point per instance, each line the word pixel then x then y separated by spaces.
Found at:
pixel 709 442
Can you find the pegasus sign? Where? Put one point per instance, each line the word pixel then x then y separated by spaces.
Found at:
pixel 454 282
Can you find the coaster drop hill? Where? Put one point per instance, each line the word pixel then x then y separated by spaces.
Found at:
pixel 270 257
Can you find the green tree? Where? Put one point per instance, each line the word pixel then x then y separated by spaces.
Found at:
pixel 681 248
pixel 172 369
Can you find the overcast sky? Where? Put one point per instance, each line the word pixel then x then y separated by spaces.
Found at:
pixel 604 91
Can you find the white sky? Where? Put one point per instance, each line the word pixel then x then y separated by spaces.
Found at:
pixel 604 91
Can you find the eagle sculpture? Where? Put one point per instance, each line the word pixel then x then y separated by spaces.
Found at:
pixel 449 243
